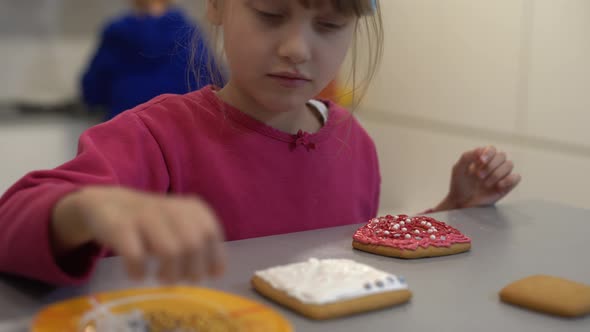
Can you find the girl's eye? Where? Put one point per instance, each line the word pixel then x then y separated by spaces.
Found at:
pixel 270 16
pixel 329 26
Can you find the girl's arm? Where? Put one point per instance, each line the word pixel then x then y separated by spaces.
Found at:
pixel 118 153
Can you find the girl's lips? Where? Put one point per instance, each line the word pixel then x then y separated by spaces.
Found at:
pixel 290 80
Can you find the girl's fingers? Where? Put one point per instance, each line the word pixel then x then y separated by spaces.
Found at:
pixel 199 234
pixel 190 237
pixel 474 161
pixel 126 242
pixel 499 173
pixel 465 164
pixel 491 166
pixel 472 170
pixel 216 255
pixel 163 244
pixel 182 234
pixel 508 183
pixel 486 154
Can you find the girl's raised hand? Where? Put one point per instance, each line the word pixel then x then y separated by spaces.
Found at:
pixel 482 176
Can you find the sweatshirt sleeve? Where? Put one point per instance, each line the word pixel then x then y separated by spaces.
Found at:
pixel 120 152
pixel 377 183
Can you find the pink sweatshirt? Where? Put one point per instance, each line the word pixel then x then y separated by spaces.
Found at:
pixel 260 181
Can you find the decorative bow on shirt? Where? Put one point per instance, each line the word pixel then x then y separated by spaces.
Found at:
pixel 302 139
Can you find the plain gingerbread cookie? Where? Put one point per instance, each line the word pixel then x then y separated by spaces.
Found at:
pixel 552 295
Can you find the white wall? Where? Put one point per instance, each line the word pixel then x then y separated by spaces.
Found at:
pixel 41 143
pixel 463 73
pixel 559 70
pixel 42 71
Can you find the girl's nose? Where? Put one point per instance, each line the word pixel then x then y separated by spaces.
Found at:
pixel 295 45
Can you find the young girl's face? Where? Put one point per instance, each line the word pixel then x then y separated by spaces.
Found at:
pixel 282 53
pixel 145 4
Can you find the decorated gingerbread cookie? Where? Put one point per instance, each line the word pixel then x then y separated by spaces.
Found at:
pixel 329 288
pixel 410 237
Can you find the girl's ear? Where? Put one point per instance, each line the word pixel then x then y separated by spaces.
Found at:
pixel 214 11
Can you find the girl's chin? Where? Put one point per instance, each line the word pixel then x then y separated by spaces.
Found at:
pixel 287 106
pixel 287 100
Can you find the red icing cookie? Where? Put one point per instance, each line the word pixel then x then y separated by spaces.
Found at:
pixel 410 237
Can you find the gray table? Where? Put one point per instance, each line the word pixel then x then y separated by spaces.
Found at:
pixel 455 293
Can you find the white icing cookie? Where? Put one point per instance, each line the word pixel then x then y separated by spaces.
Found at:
pixel 330 280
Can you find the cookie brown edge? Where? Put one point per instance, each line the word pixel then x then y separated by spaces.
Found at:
pixel 420 252
pixel 331 310
pixel 515 294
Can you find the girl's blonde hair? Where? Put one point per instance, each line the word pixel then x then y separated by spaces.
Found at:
pixel 369 25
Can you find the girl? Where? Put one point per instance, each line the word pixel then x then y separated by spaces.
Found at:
pixel 173 177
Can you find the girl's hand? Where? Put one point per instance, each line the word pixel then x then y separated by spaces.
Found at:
pixel 482 176
pixel 182 233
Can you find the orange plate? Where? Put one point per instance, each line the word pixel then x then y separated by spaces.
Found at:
pixel 164 309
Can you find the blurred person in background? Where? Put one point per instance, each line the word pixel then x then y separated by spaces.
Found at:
pixel 143 54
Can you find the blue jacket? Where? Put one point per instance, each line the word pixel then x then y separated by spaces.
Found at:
pixel 141 57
